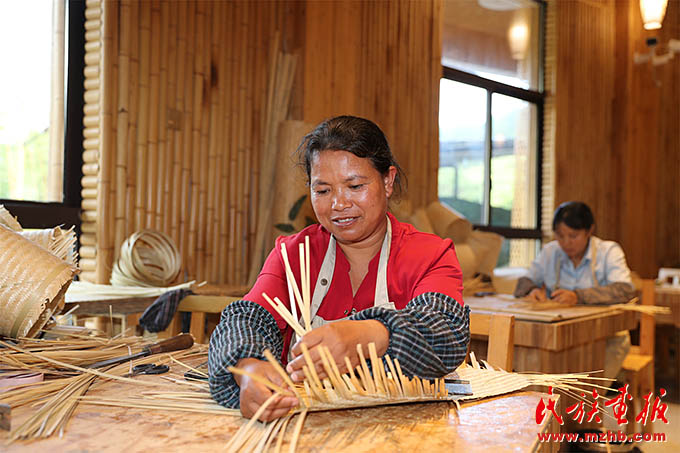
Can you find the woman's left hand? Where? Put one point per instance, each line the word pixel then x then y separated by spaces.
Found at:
pixel 564 296
pixel 341 338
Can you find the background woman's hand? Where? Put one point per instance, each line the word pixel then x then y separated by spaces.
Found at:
pixel 564 296
pixel 341 338
pixel 537 295
pixel 253 394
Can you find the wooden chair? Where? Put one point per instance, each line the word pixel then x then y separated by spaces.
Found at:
pixel 500 330
pixel 198 306
pixel 638 366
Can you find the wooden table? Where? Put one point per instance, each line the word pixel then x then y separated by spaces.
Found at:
pixel 667 296
pixel 556 339
pixel 499 424
pixel 207 299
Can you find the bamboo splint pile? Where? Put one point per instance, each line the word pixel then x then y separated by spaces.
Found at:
pixel 57 398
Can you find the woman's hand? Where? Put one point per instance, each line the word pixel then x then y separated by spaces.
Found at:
pixel 253 394
pixel 537 295
pixel 341 338
pixel 564 296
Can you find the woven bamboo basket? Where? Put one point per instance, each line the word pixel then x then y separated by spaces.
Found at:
pixel 32 284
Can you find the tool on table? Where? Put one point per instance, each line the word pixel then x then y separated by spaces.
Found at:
pixel 194 376
pixel 177 343
pixel 5 417
pixel 458 387
pixel 148 368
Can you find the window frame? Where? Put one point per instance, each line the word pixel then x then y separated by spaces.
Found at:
pixel 535 97
pixel 35 214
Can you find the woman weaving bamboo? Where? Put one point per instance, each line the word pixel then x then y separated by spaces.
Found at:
pixel 580 268
pixel 377 279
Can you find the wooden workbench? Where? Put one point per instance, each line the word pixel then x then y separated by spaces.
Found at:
pixel 556 339
pixel 504 423
pixel 206 299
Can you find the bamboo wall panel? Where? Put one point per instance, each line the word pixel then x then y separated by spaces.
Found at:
pixel 179 101
pixel 617 145
pixel 171 94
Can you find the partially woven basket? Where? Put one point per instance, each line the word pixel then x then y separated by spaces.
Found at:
pixel 147 258
pixel 32 284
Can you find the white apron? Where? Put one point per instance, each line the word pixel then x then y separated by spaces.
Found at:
pixel 323 282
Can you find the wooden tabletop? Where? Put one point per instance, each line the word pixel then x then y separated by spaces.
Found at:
pixel 668 296
pixel 504 423
pixel 552 328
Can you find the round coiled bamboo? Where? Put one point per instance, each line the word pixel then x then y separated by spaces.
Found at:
pixel 147 258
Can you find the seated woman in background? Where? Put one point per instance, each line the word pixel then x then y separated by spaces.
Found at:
pixel 373 279
pixel 577 267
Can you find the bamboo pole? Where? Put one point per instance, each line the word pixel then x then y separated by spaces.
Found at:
pixel 213 134
pixel 123 123
pixel 237 275
pixel 56 128
pixel 142 169
pixel 178 141
pixel 104 237
pixel 161 107
pixel 222 184
pixel 198 77
pixel 133 120
pixel 204 145
pixel 187 127
pixel 154 98
pixel 171 104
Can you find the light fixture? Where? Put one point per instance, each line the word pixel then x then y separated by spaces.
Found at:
pixel 652 13
pixel 518 38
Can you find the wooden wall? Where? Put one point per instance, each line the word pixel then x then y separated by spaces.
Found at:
pixel 177 101
pixel 617 139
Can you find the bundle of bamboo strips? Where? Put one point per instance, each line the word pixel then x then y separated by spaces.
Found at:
pixel 79 291
pixel 59 397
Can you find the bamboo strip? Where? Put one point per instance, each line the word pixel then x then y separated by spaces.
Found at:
pixel 296 432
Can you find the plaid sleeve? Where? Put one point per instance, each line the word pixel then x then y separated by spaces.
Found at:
pixel 429 336
pixel 246 329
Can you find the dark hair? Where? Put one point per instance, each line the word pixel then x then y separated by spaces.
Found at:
pixel 359 136
pixel 574 214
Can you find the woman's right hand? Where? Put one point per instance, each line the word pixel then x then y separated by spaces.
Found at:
pixel 537 295
pixel 253 394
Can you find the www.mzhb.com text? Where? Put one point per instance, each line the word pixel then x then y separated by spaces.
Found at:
pixel 609 436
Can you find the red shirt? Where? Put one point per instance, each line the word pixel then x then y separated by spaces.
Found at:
pixel 418 263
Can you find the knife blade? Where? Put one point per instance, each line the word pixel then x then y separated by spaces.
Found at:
pixel 177 343
pixel 458 387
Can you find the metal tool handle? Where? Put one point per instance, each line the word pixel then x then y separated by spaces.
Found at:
pixel 181 341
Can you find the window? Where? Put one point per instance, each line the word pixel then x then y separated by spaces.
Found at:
pixel 490 112
pixel 42 46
